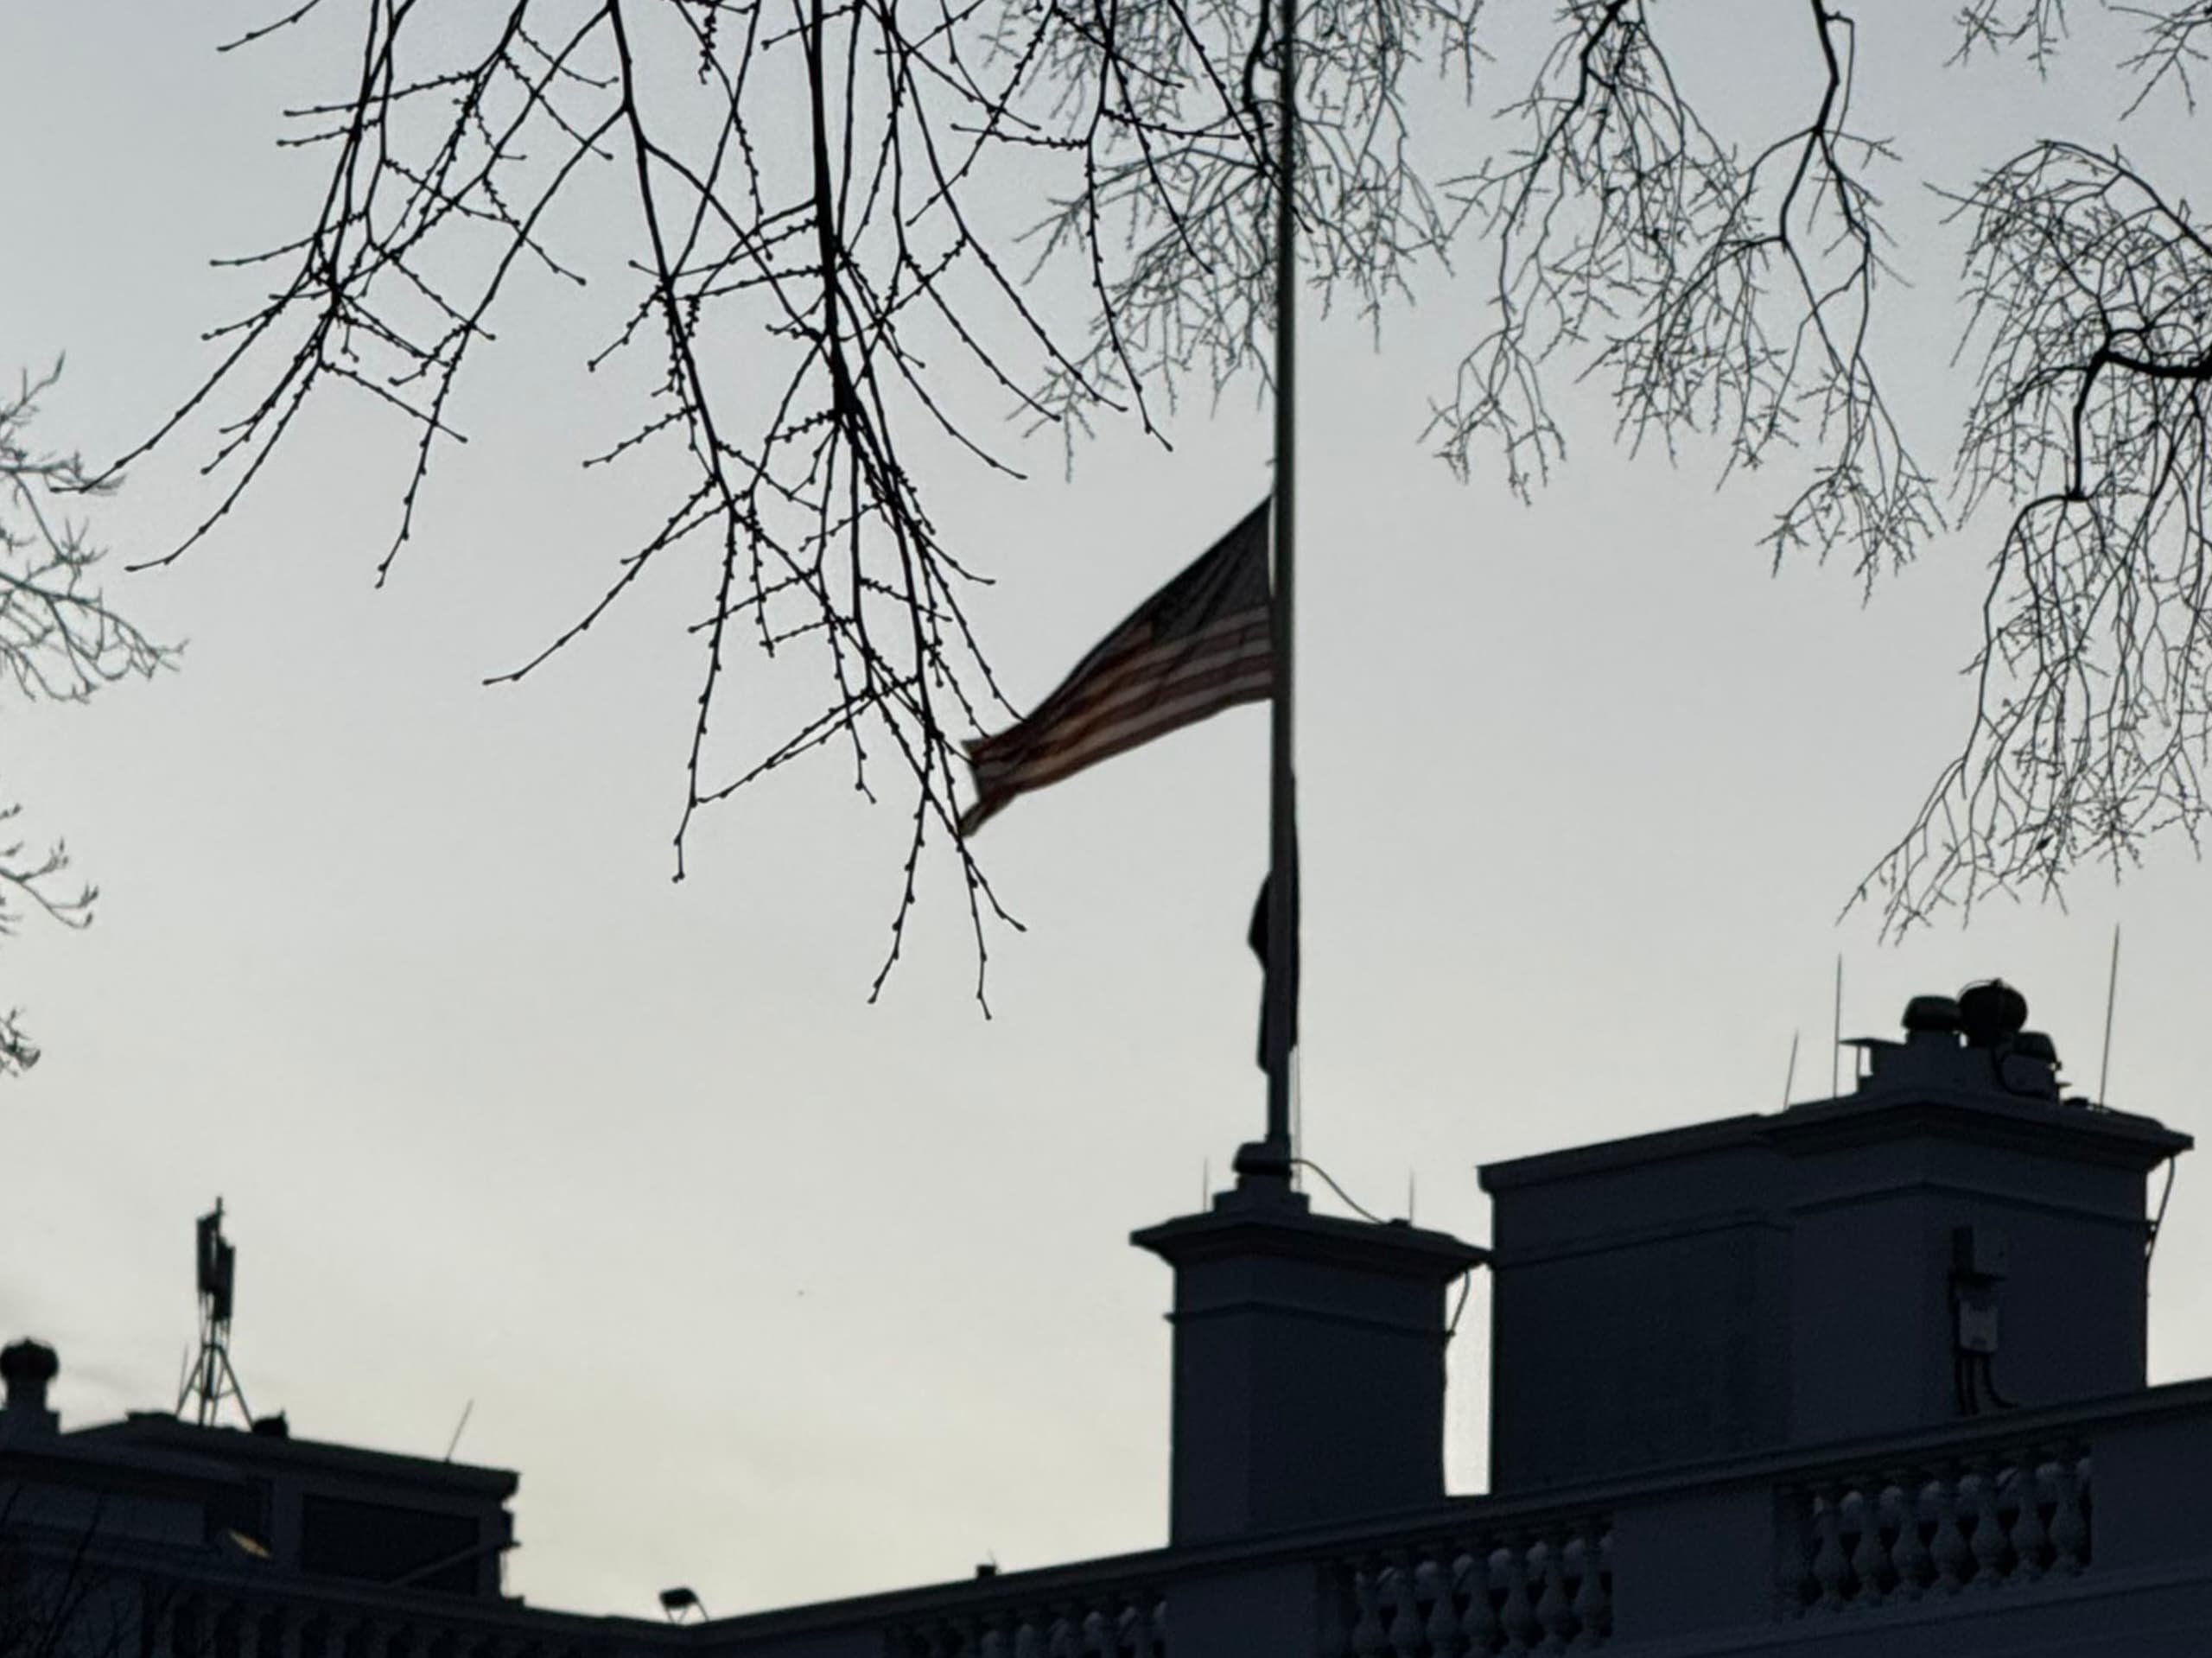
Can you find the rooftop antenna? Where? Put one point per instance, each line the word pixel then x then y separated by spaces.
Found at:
pixel 1835 1053
pixel 1790 1077
pixel 210 1378
pixel 454 1443
pixel 2112 994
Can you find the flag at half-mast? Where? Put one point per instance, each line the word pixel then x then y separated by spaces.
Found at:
pixel 1200 644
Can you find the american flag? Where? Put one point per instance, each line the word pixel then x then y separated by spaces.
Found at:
pixel 1200 644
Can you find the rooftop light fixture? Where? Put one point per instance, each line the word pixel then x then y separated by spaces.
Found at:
pixel 679 1601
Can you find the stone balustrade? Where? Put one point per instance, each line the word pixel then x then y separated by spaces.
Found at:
pixel 1468 1594
pixel 1983 1520
pixel 185 1619
pixel 1109 1621
pixel 1956 1540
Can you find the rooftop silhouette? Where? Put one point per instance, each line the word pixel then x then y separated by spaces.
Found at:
pixel 1867 1372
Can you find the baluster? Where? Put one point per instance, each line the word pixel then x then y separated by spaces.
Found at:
pixel 1028 1635
pixel 1337 1590
pixel 1909 1552
pixel 1099 1637
pixel 993 1642
pixel 1479 1623
pixel 1367 1629
pixel 1948 1547
pixel 1830 1564
pixel 1066 1638
pixel 163 1609
pixel 1988 1527
pixel 1870 1555
pixel 1434 1578
pixel 2070 1527
pixel 1793 1566
pixel 152 1639
pixel 2087 1475
pixel 211 1627
pixel 2029 1539
pixel 1518 1616
pixel 1555 1611
pixel 1405 1606
pixel 1593 1609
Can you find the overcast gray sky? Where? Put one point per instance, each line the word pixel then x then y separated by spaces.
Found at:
pixel 781 1295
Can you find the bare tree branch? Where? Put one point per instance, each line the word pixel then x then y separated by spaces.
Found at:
pixel 1715 294
pixel 60 642
pixel 854 267
pixel 2092 421
pixel 821 275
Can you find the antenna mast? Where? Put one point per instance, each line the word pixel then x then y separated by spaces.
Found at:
pixel 211 1380
pixel 2112 997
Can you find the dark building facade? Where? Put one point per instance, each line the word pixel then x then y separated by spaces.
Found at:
pixel 1865 1376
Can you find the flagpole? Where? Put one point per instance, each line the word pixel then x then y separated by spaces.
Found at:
pixel 1282 794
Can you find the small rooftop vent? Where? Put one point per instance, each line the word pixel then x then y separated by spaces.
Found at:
pixel 1977 1041
pixel 27 1367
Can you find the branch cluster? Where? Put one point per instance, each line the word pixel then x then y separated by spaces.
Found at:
pixel 821 272
pixel 812 183
pixel 2092 424
pixel 60 642
pixel 1716 292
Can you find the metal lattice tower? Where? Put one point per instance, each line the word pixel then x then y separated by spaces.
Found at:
pixel 210 1379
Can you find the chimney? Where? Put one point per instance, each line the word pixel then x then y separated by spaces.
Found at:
pixel 1308 1363
pixel 1953 1236
pixel 27 1367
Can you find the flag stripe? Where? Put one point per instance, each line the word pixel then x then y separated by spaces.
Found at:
pixel 1154 673
pixel 1170 707
pixel 1232 572
pixel 1249 685
pixel 1202 644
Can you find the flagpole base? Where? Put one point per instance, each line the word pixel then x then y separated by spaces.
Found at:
pixel 1263 1165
